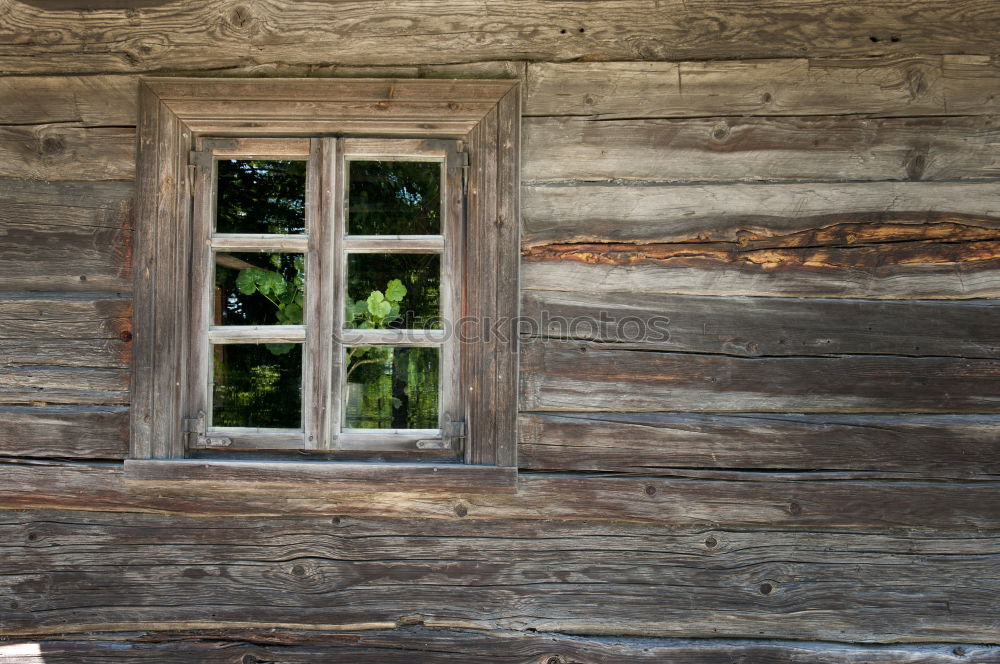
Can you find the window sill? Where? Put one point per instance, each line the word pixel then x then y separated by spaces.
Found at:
pixel 325 475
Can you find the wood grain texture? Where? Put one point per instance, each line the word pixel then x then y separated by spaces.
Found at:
pixel 869 240
pixel 668 443
pixel 83 432
pixel 774 500
pixel 722 149
pixel 436 646
pixel 584 376
pixel 66 152
pixel 65 331
pixel 206 35
pixel 905 85
pixel 55 384
pixel 65 236
pixel 67 576
pixel 761 326
pixel 586 212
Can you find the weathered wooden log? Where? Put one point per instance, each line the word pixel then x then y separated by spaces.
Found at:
pixel 82 432
pixel 60 152
pixel 205 35
pixel 723 149
pixel 903 85
pixel 585 376
pixel 774 500
pixel 436 646
pixel 65 236
pixel 694 444
pixel 77 573
pixel 762 326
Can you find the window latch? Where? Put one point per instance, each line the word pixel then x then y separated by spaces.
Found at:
pixel 194 427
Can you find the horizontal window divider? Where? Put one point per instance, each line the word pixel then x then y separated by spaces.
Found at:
pixel 239 438
pixel 386 440
pixel 396 244
pixel 264 334
pixel 351 337
pixel 255 475
pixel 263 242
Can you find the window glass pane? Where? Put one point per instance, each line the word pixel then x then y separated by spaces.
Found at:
pixel 258 289
pixel 261 196
pixel 394 198
pixel 391 388
pixel 257 385
pixel 393 291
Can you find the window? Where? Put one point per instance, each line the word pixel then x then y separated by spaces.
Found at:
pixel 326 283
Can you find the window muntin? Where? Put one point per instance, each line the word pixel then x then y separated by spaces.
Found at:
pixel 375 376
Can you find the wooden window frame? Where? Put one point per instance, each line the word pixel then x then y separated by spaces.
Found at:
pixel 175 114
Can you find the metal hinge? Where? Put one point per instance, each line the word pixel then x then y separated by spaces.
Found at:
pixel 463 161
pixel 194 427
pixel 451 432
pixel 200 158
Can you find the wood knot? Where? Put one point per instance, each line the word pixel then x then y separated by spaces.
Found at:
pixel 720 132
pixel 766 98
pixel 766 588
pixel 125 336
pixel 794 509
pixel 711 542
pixel 53 145
pixel 651 490
pixel 298 570
pixel 461 510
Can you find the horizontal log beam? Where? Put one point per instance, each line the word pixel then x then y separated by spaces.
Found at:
pixel 763 500
pixel 898 85
pixel 82 432
pixel 66 236
pixel 698 443
pixel 724 149
pixel 65 574
pixel 406 645
pixel 204 35
pixel 585 376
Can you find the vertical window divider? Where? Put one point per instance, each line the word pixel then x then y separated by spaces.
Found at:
pixel 203 203
pixel 335 195
pixel 320 308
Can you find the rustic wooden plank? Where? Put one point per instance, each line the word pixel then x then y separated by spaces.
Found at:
pixel 53 384
pixel 89 101
pixel 111 100
pixel 655 443
pixel 67 152
pixel 949 279
pixel 66 575
pixel 94 432
pixel 900 85
pixel 762 326
pixel 65 331
pixel 585 212
pixel 725 149
pixel 213 474
pixel 406 645
pixel 870 240
pixel 763 499
pixel 206 36
pixel 584 376
pixel 68 236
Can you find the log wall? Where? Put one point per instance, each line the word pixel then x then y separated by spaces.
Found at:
pixel 802 466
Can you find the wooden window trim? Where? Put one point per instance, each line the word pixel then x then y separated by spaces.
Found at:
pixel 175 112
